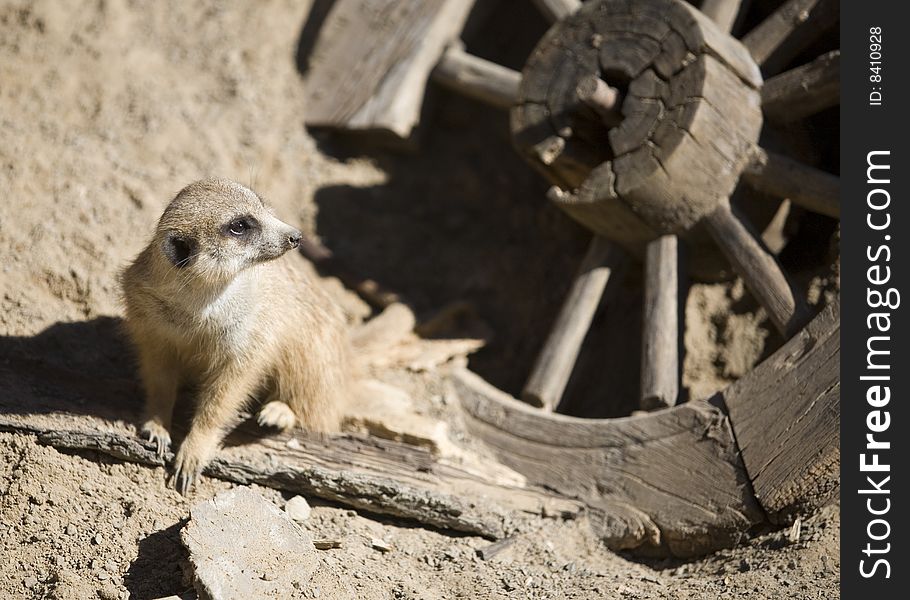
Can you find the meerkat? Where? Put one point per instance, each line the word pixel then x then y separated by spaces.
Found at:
pixel 210 303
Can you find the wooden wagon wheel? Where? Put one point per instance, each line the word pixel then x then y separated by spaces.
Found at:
pixel 646 115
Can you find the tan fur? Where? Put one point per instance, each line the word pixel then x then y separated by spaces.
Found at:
pixel 235 321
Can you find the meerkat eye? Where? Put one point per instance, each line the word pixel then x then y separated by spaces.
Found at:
pixel 239 227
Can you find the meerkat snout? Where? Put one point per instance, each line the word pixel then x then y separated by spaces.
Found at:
pixel 209 306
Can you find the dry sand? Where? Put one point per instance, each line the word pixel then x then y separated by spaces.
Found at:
pixel 108 108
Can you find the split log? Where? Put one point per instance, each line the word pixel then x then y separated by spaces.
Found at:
pixel 803 91
pixel 556 360
pixel 786 417
pixel 759 269
pixel 477 78
pixel 784 177
pixel 660 340
pixel 789 30
pixel 372 58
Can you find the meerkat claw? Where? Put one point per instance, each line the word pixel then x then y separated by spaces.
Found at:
pixel 185 482
pixel 184 479
pixel 276 414
pixel 158 435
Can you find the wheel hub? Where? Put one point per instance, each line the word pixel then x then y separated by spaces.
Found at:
pixel 690 117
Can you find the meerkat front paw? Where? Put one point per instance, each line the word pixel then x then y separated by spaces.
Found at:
pixel 193 456
pixel 158 434
pixel 276 414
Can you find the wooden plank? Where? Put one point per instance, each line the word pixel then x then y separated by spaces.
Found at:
pixel 660 318
pixel 786 417
pixel 670 482
pixel 477 78
pixel 556 10
pixel 673 481
pixel 759 269
pixel 722 12
pixel 803 91
pixel 784 177
pixel 556 360
pixel 372 58
pixel 789 30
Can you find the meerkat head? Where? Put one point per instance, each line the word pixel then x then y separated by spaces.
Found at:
pixel 216 228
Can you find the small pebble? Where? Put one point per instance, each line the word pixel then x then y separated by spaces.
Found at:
pixel 30 581
pixel 71 529
pixel 298 508
pixel 380 544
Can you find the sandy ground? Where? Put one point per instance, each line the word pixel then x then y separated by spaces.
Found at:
pixel 108 108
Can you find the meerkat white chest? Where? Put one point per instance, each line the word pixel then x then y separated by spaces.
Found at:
pixel 228 319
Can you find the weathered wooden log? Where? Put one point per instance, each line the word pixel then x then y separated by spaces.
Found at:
pixel 783 177
pixel 690 115
pixel 789 30
pixel 722 12
pixel 72 387
pixel 786 416
pixel 377 476
pixel 803 91
pixel 555 10
pixel 674 481
pixel 370 64
pixel 557 358
pixel 759 270
pixel 660 339
pixel 670 482
pixel 477 78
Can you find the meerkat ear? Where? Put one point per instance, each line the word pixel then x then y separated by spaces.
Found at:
pixel 178 249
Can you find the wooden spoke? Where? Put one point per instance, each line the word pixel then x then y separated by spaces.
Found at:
pixel 784 177
pixel 759 270
pixel 722 12
pixel 556 10
pixel 660 338
pixel 788 31
pixel 600 97
pixel 477 78
pixel 803 91
pixel 557 358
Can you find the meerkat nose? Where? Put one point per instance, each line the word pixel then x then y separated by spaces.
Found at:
pixel 294 239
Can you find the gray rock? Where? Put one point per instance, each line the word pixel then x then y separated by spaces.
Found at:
pixel 242 546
